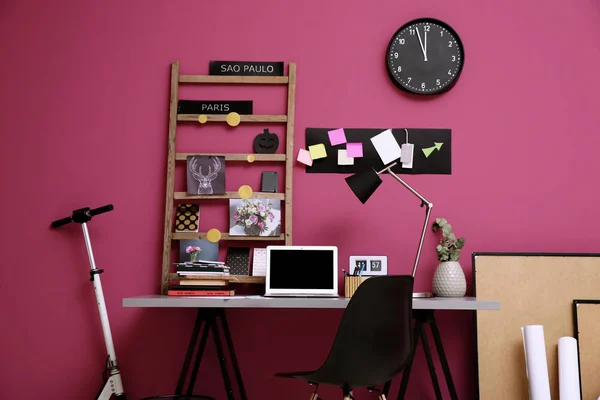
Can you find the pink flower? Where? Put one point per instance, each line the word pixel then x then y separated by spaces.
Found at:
pixel 236 217
pixel 261 225
pixel 271 216
pixel 191 249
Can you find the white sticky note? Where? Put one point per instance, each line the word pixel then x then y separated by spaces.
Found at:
pixel 343 158
pixel 407 155
pixel 386 146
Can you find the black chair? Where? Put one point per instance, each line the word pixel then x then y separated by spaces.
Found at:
pixel 373 341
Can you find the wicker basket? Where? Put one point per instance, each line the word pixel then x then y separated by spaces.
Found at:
pixel 351 283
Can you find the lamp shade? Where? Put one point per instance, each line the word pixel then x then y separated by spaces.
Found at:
pixel 364 184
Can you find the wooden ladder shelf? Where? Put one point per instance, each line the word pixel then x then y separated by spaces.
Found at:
pixel 171 196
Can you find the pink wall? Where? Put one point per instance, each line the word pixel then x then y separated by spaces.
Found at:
pixel 84 122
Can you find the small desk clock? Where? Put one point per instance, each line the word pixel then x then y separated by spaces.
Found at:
pixel 425 56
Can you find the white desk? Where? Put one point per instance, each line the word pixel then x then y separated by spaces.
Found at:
pixel 434 303
pixel 212 309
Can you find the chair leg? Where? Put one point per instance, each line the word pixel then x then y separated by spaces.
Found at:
pixel 382 397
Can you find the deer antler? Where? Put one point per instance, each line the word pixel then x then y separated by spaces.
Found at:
pixel 193 167
pixel 213 174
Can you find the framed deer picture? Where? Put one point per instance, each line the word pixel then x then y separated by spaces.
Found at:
pixel 205 175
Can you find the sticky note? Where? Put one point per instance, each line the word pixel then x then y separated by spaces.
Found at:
pixel 354 150
pixel 337 136
pixel 233 119
pixel 245 192
pixel 386 146
pixel 213 235
pixel 304 157
pixel 437 146
pixel 343 158
pixel 317 151
pixel 407 155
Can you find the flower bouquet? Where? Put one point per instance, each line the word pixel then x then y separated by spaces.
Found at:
pixel 194 252
pixel 253 216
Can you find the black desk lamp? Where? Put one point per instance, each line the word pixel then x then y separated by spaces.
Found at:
pixel 364 184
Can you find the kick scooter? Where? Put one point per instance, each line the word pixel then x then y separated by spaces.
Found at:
pixel 112 384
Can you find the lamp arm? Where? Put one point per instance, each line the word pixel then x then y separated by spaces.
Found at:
pixel 425 202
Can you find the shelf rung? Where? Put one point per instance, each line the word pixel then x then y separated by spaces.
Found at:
pixel 233 156
pixel 231 278
pixel 269 80
pixel 243 118
pixel 227 195
pixel 224 236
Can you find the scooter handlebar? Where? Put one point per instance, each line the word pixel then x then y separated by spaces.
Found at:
pixel 100 210
pixel 82 215
pixel 61 222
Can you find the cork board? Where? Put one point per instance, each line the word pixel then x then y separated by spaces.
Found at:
pixel 587 328
pixel 533 289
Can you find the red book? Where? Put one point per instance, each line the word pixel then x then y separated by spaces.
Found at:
pixel 201 292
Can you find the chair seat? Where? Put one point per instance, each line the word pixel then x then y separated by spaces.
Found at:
pixel 319 377
pixel 298 375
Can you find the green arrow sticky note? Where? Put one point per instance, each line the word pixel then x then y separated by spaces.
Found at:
pixel 427 151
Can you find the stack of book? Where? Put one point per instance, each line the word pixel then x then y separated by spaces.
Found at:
pixel 201 278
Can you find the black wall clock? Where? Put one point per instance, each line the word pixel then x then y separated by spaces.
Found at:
pixel 425 56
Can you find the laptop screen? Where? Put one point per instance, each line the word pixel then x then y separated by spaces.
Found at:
pixel 302 269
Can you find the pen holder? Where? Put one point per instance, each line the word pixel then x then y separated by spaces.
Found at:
pixel 351 283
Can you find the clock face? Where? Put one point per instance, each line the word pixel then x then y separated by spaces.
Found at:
pixel 425 56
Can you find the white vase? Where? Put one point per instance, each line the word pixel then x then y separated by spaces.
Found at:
pixel 449 280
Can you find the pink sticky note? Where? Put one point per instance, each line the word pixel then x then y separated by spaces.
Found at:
pixel 354 150
pixel 337 136
pixel 304 157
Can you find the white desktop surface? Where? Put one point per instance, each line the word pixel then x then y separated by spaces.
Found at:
pixel 256 301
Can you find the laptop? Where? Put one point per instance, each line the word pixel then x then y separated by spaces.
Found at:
pixel 302 271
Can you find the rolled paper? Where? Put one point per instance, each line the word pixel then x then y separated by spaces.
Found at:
pixel 536 363
pixel 568 369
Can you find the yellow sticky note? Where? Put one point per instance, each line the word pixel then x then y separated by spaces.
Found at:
pixel 213 235
pixel 233 119
pixel 245 192
pixel 317 151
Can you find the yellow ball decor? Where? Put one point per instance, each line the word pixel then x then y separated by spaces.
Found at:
pixel 213 235
pixel 233 119
pixel 250 158
pixel 202 118
pixel 245 192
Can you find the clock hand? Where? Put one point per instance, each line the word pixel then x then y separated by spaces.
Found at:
pixel 421 42
pixel 425 46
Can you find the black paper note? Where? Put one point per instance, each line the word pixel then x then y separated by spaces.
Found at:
pixel 269 182
pixel 438 161
pixel 238 260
